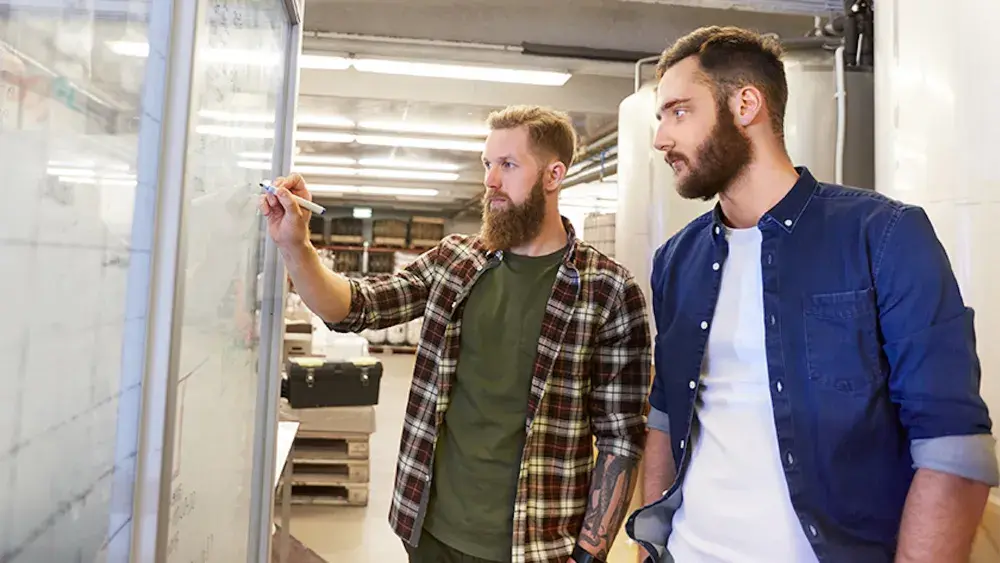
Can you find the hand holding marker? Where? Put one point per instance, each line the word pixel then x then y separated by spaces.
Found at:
pixel 311 206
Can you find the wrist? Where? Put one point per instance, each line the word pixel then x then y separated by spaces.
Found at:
pixel 295 251
pixel 582 555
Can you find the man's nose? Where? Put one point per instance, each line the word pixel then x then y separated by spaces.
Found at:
pixel 492 179
pixel 663 141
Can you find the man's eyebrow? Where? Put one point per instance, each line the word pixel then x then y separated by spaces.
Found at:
pixel 669 104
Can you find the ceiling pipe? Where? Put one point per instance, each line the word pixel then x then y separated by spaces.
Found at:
pixel 411 41
pixel 595 173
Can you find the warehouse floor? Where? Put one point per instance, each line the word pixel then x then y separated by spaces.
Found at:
pixel 363 535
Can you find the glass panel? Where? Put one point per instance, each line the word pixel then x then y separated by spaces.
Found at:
pixel 239 76
pixel 79 134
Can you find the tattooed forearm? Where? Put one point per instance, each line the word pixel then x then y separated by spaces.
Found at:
pixel 610 493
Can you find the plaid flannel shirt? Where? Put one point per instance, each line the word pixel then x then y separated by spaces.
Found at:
pixel 590 379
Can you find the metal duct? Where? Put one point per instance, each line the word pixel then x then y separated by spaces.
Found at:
pixel 592 174
pixel 803 7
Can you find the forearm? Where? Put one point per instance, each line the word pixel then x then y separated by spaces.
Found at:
pixel 940 518
pixel 611 489
pixel 327 294
pixel 658 469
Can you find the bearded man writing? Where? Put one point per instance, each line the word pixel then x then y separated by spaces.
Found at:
pixel 533 344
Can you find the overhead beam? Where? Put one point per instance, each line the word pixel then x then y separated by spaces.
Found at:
pixel 582 94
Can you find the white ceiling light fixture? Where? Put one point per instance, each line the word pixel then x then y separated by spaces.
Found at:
pixel 252 57
pixel 462 72
pixel 410 164
pixel 420 143
pixel 375 173
pixel 324 137
pixel 323 160
pixel 362 212
pixel 335 121
pixel 256 155
pixel 426 128
pixel 324 62
pixel 254 164
pixel 232 116
pixel 331 189
pixel 129 48
pixel 235 132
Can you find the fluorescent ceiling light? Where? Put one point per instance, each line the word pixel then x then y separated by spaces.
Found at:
pixel 411 164
pixel 231 116
pixel 362 212
pixel 255 57
pixel 77 180
pixel 256 155
pixel 426 128
pixel 73 163
pixel 462 72
pixel 129 48
pixel 324 62
pixel 84 172
pixel 238 132
pixel 324 137
pixel 326 160
pixel 254 164
pixel 375 173
pixel 414 142
pixel 325 121
pixel 371 190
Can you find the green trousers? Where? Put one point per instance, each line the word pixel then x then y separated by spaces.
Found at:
pixel 430 550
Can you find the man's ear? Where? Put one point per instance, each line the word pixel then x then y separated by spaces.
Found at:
pixel 747 105
pixel 555 173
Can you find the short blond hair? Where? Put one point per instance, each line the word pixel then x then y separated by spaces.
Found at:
pixel 551 131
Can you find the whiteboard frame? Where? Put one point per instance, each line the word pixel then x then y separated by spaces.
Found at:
pixel 154 455
pixel 272 325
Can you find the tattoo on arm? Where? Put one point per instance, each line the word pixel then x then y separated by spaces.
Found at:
pixel 611 489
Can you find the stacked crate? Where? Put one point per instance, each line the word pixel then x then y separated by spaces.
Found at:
pixel 426 232
pixel 389 232
pixel 331 456
pixel 346 231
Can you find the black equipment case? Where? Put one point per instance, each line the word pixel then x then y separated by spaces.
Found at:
pixel 317 383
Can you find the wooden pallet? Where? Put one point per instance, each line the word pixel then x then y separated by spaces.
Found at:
pixel 330 472
pixel 345 494
pixel 382 349
pixel 315 446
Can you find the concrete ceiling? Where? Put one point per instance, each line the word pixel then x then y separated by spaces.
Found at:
pixel 494 33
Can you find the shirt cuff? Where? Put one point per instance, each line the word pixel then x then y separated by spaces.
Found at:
pixel 658 420
pixel 970 456
pixel 353 321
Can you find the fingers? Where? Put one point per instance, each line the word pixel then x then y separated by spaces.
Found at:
pixel 295 184
pixel 269 205
pixel 286 201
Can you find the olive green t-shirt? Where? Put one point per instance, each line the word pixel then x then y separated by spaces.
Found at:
pixel 479 448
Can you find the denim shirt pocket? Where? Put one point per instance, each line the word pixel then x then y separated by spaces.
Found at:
pixel 841 341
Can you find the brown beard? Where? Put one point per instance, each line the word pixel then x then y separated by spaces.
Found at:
pixel 515 224
pixel 718 161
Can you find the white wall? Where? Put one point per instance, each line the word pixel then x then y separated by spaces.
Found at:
pixel 937 75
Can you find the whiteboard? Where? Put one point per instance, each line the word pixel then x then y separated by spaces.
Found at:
pixel 75 232
pixel 239 75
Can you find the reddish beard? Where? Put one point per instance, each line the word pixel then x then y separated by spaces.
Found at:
pixel 513 225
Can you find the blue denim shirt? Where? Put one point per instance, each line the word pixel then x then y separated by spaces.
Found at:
pixel 870 354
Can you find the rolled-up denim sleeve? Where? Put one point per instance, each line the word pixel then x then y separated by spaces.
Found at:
pixel 929 340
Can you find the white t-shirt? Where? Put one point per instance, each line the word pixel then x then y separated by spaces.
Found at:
pixel 736 507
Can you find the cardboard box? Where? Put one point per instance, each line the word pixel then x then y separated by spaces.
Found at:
pixel 332 419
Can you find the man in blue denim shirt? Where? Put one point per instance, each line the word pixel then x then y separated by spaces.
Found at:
pixel 817 385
